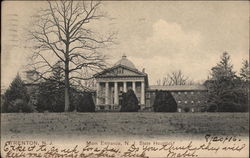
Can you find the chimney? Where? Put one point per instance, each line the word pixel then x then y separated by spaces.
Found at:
pixel 143 70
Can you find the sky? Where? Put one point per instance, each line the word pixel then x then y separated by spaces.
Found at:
pixel 160 36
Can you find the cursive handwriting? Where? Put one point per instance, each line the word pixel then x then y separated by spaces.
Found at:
pixel 125 149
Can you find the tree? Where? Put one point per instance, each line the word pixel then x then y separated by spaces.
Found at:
pixel 244 71
pixel 164 102
pixel 224 68
pixel 175 78
pixel 224 88
pixel 16 97
pixel 51 94
pixel 62 31
pixel 129 102
pixel 3 104
pixel 244 88
pixel 50 97
pixel 51 91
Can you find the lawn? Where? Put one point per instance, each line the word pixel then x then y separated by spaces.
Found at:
pixel 148 125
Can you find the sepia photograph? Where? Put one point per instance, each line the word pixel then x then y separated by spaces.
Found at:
pixel 124 79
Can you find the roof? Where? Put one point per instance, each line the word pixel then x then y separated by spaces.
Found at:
pixel 125 62
pixel 179 88
pixel 110 72
pixel 126 65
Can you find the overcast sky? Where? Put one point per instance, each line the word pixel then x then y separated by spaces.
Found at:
pixel 158 36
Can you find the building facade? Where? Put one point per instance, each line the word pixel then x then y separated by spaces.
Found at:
pixel 112 82
pixel 189 98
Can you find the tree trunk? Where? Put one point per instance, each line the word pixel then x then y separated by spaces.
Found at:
pixel 67 86
pixel 66 108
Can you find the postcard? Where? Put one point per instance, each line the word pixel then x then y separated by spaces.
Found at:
pixel 124 79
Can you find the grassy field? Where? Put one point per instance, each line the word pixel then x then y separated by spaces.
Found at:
pixel 123 124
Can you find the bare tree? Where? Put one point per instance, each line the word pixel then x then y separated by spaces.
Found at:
pixel 175 78
pixel 62 32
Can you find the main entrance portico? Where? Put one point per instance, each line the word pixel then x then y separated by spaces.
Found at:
pixel 111 83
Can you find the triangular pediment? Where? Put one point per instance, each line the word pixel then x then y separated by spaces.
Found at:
pixel 120 71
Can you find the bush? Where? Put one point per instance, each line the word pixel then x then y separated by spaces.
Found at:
pixel 212 107
pixel 129 102
pixel 20 105
pixel 15 105
pixel 164 102
pixel 186 109
pixel 230 99
pixel 27 108
pixel 43 103
pixel 86 103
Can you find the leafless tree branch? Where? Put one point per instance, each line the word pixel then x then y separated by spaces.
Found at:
pixel 61 30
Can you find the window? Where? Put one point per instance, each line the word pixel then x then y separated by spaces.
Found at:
pixel 185 92
pixel 185 102
pixel 199 101
pixel 179 102
pixel 192 92
pixel 192 101
pixel 179 109
pixel 179 92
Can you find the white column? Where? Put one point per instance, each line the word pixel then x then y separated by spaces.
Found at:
pixel 125 87
pixel 133 86
pixel 116 93
pixel 106 93
pixel 97 93
pixel 142 93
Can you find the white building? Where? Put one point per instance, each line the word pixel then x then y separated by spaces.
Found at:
pixel 112 82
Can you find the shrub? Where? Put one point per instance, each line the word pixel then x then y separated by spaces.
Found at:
pixel 86 103
pixel 15 105
pixel 20 105
pixel 164 102
pixel 129 102
pixel 186 109
pixel 27 108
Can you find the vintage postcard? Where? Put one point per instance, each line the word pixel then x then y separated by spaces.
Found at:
pixel 124 79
